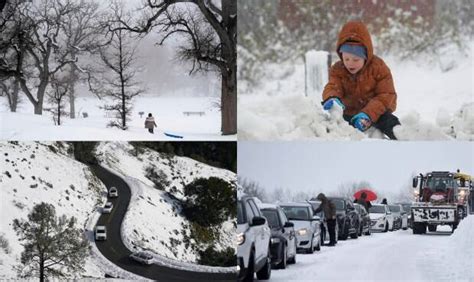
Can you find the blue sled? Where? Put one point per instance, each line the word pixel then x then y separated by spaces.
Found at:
pixel 173 135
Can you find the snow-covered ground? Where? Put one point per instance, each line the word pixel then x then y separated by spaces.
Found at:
pixel 33 172
pixel 168 113
pixel 432 104
pixel 394 256
pixel 167 237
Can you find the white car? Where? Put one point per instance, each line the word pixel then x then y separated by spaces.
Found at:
pixel 253 240
pixel 100 233
pixel 143 257
pixel 113 193
pixel 108 207
pixel 381 218
pixel 307 225
pixel 400 216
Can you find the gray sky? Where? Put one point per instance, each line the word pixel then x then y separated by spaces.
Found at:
pixel 322 166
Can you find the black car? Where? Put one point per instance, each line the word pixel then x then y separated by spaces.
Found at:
pixel 324 227
pixel 283 238
pixel 347 218
pixel 364 219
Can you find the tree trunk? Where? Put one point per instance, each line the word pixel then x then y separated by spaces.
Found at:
pixel 72 100
pixel 59 112
pixel 14 96
pixel 41 269
pixel 229 104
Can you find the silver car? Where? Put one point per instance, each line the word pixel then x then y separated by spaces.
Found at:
pixel 100 233
pixel 307 226
pixel 143 257
pixel 108 207
pixel 113 193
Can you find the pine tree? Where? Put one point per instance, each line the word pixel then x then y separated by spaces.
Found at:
pixel 53 246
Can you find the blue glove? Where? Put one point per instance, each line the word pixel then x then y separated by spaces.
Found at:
pixel 330 102
pixel 361 121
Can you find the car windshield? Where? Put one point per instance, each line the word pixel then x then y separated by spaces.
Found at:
pixel 100 231
pixel 108 204
pixel 406 207
pixel 240 214
pixel 377 209
pixel 145 255
pixel 394 208
pixel 272 218
pixel 339 204
pixel 296 213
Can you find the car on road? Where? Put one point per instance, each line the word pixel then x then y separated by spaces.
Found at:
pixel 364 220
pixel 347 217
pixel 107 207
pixel 400 216
pixel 113 193
pixel 407 210
pixel 253 240
pixel 143 257
pixel 324 227
pixel 100 233
pixel 381 218
pixel 307 225
pixel 283 240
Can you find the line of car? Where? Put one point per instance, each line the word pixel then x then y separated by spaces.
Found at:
pixel 100 232
pixel 269 235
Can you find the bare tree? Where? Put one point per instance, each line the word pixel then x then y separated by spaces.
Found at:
pixel 82 31
pixel 252 188
pixel 10 88
pixel 211 33
pixel 59 90
pixel 119 58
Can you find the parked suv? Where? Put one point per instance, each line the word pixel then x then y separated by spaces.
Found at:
pixel 283 240
pixel 347 217
pixel 364 220
pixel 253 240
pixel 307 226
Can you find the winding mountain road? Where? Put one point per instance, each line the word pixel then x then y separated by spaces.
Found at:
pixel 115 250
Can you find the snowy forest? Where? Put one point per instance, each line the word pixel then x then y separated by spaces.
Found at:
pixel 426 44
pixel 55 52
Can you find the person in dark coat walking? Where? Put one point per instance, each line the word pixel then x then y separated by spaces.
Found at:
pixel 329 210
pixel 150 123
pixel 384 201
pixel 363 201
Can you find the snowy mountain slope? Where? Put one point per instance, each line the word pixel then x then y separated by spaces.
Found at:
pixel 168 113
pixel 433 104
pixel 154 221
pixel 43 172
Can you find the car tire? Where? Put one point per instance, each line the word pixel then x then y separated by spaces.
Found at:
pixel 250 269
pixel 368 232
pixel 386 227
pixel 284 258
pixel 432 228
pixel 266 271
pixel 311 248
pixel 318 247
pixel 345 233
pixel 293 259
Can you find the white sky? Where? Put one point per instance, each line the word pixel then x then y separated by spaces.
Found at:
pixel 322 166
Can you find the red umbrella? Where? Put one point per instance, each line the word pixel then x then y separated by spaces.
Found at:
pixel 371 196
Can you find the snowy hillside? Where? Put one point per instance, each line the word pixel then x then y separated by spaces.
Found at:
pixel 168 113
pixel 43 172
pixel 154 221
pixel 433 103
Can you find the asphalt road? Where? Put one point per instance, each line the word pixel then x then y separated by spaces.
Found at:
pixel 115 251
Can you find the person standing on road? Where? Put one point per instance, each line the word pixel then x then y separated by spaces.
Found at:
pixel 363 201
pixel 329 210
pixel 150 123
pixel 384 201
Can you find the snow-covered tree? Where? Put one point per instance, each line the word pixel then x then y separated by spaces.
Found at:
pixel 209 28
pixel 54 247
pixel 56 96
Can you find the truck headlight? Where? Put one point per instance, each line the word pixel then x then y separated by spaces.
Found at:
pixel 302 232
pixel 240 239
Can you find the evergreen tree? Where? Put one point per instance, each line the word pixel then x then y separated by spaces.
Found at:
pixel 53 245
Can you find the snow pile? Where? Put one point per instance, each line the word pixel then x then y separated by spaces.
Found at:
pixel 43 172
pixel 458 253
pixel 168 113
pixel 140 231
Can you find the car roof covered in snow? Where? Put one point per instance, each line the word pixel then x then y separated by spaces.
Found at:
pixel 267 206
pixel 295 204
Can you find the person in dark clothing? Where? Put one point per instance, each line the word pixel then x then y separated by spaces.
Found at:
pixel 363 201
pixel 329 210
pixel 384 201
pixel 150 123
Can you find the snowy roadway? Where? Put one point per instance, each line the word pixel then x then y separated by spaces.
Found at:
pixel 396 256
